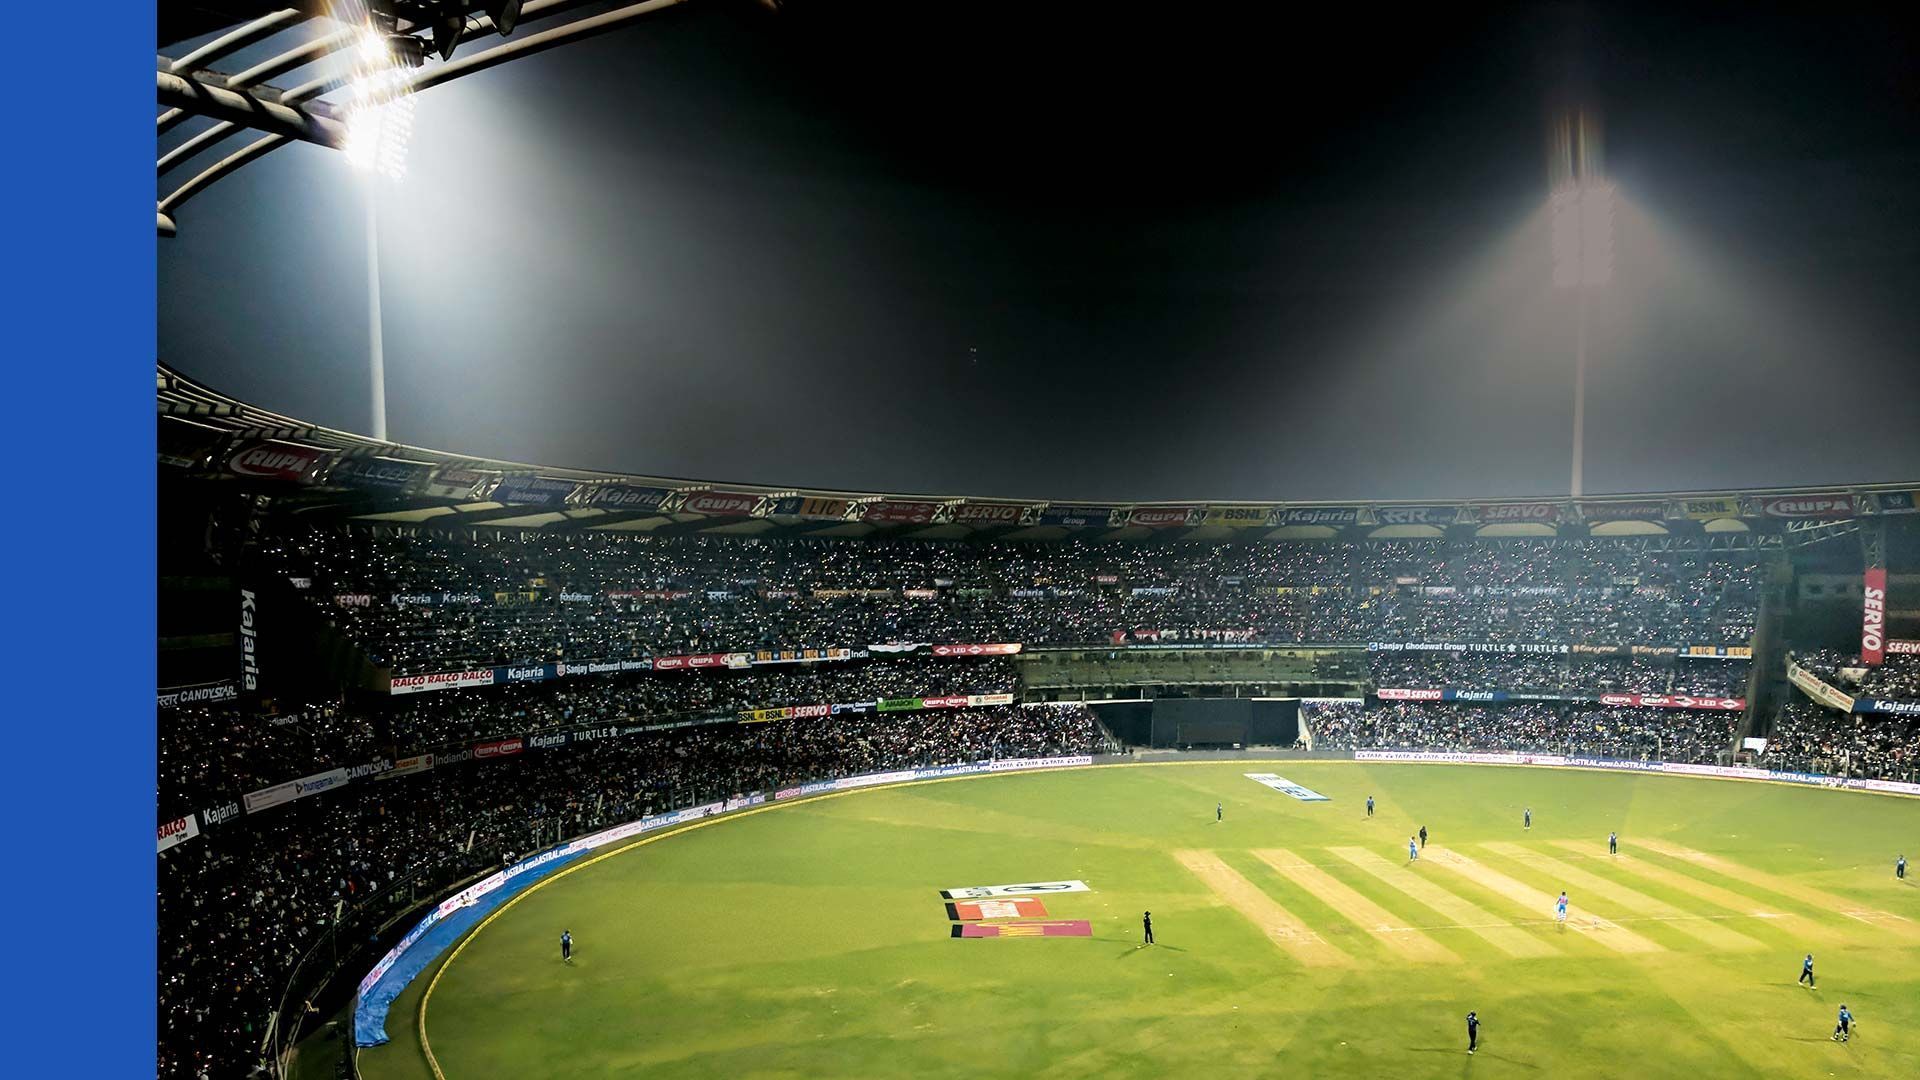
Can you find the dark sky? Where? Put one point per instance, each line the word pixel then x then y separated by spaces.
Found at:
pixel 1098 251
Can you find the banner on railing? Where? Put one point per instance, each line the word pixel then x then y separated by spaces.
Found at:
pixel 1812 686
pixel 178 830
pixel 1887 706
pixel 172 697
pixel 986 649
pixel 256 801
pixel 1719 652
pixel 1898 647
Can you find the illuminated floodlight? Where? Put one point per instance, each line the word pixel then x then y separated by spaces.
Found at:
pixel 379 107
pixel 1581 220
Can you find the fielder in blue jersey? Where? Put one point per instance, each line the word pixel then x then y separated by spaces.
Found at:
pixel 1843 1029
pixel 1413 852
pixel 1806 971
pixel 1560 907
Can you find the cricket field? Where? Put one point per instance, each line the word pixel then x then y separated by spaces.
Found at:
pixel 811 939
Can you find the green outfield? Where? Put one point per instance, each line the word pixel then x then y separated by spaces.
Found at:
pixel 811 940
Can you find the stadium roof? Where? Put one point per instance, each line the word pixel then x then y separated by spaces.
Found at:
pixel 207 436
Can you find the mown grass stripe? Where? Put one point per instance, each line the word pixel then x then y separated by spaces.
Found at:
pixel 1632 900
pixel 1465 914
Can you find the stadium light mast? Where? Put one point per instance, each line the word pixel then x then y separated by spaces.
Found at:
pixel 1580 220
pixel 379 127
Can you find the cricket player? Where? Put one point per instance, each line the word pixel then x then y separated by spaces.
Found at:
pixel 1146 925
pixel 1369 806
pixel 1526 818
pixel 1900 868
pixel 1423 836
pixel 1560 908
pixel 1806 971
pixel 1219 811
pixel 566 946
pixel 1473 1032
pixel 1413 853
pixel 1843 1029
pixel 1613 843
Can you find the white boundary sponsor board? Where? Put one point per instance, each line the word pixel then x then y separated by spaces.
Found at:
pixel 981 892
pixel 1890 787
pixel 1286 787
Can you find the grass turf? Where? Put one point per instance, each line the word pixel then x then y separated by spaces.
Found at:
pixel 811 940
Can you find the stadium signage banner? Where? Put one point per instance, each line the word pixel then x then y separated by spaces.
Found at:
pixel 901 513
pixel 219 815
pixel 378 473
pixel 528 673
pixel 1237 517
pixel 702 660
pixel 249 641
pixel 984 649
pixel 1079 517
pixel 812 508
pixel 629 497
pixel 176 831
pixel 1825 505
pixel 1673 701
pixel 1893 787
pixel 1416 515
pixel 988 892
pixel 1898 502
pixel 1887 706
pixel 1164 517
pixel 798 656
pixel 458 483
pixel 269 460
pixel 761 716
pixel 1286 787
pixel 951 701
pixel 1599 512
pixel 1873 616
pixel 1903 648
pixel 907 704
pixel 173 697
pixel 724 504
pixel 1507 513
pixel 525 489
pixel 988 513
pixel 256 801
pixel 1710 509
pixel 989 699
pixel 600 667
pixel 1459 646
pixel 1390 693
pixel 407 766
pixel 1014 907
pixel 439 680
pixel 497 748
pixel 1316 515
pixel 1719 652
pixel 1811 685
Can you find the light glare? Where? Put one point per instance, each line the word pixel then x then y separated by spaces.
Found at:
pixel 1581 223
pixel 379 109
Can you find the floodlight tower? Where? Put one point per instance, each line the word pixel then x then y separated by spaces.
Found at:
pixel 379 126
pixel 1580 220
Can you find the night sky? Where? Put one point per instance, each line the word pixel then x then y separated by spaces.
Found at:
pixel 1100 252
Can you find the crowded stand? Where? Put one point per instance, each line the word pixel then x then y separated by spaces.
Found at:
pixel 422 602
pixel 1532 671
pixel 1634 734
pixel 1897 677
pixel 210 751
pixel 240 905
pixel 1808 737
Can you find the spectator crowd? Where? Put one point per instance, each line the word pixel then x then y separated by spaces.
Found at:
pixel 420 601
pixel 1634 734
pixel 240 905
